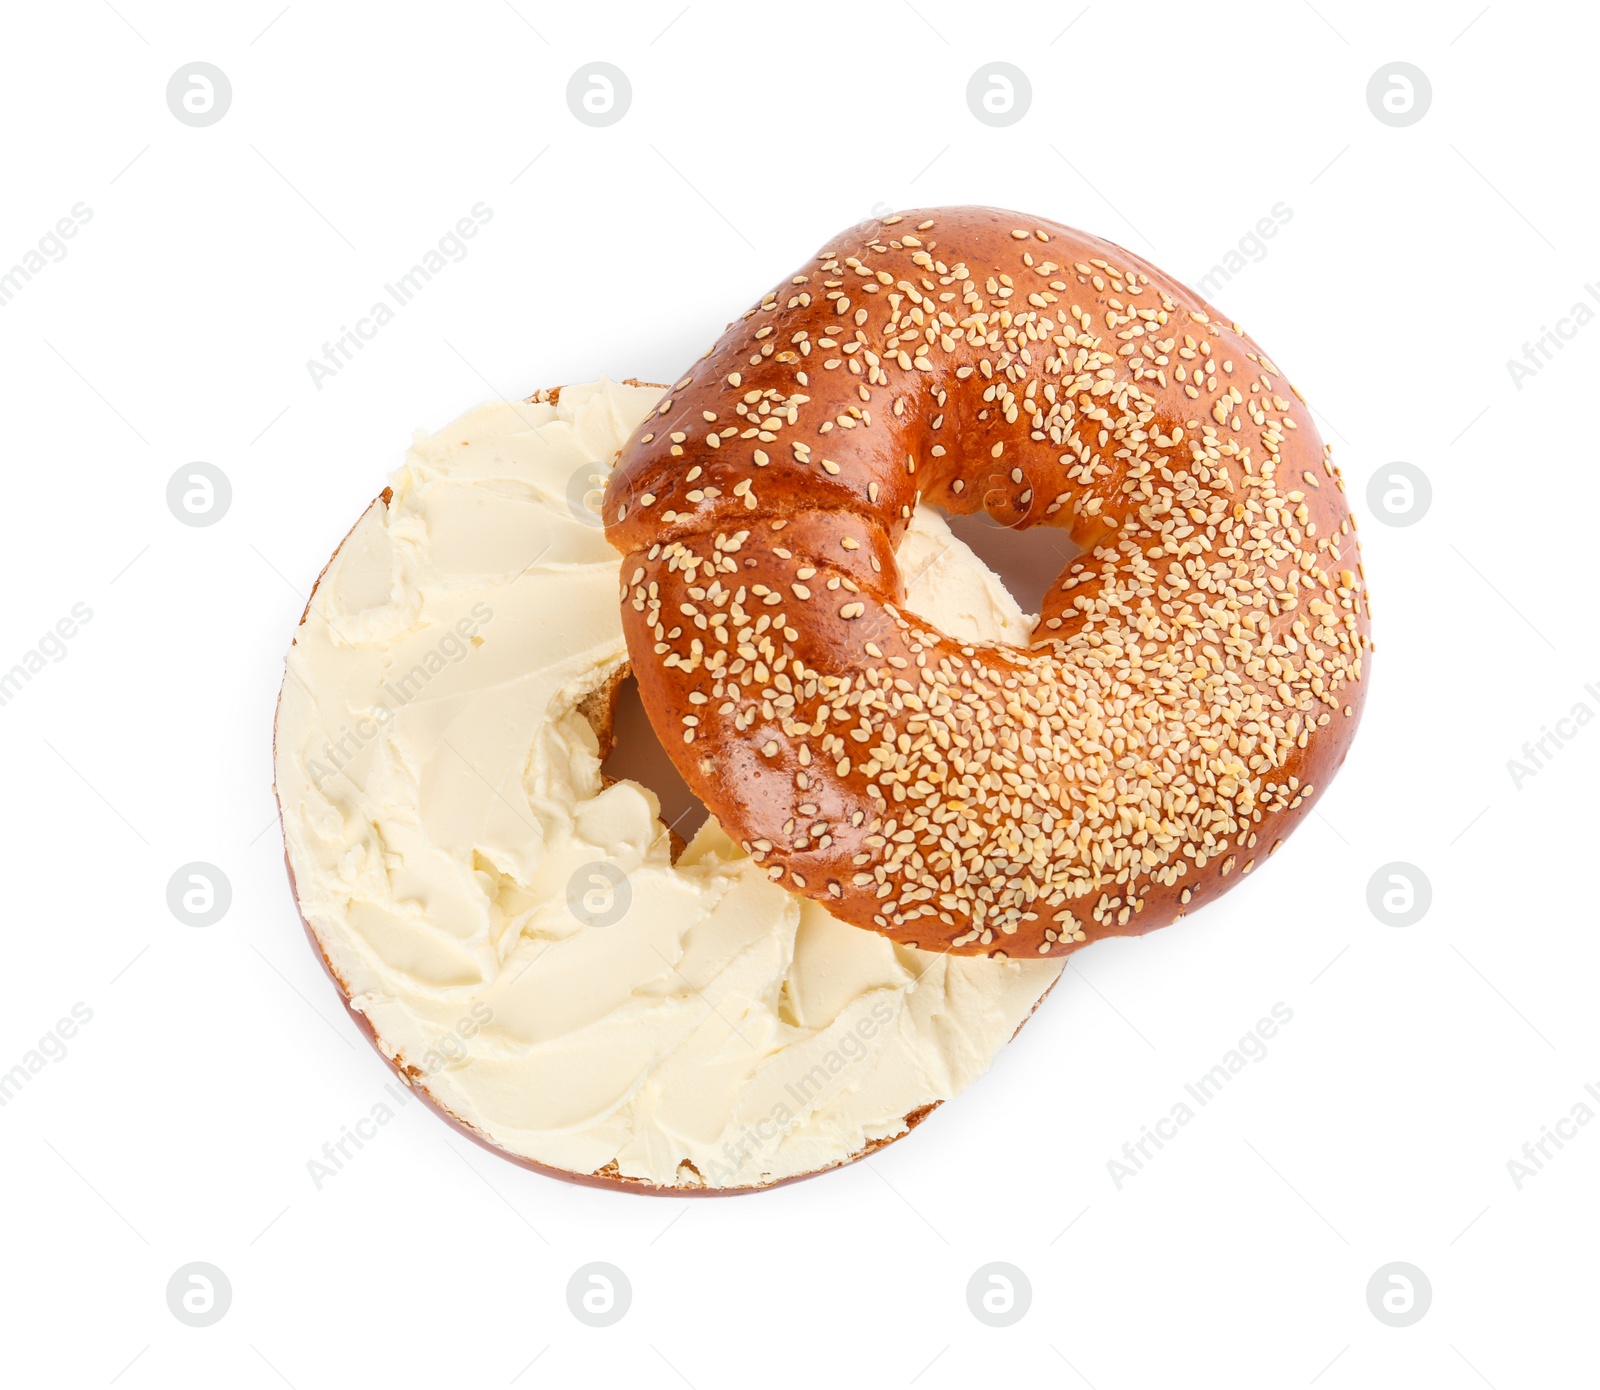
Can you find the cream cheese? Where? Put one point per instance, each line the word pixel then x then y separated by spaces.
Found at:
pixel 515 930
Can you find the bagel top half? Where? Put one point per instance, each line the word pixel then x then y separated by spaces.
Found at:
pixel 1195 677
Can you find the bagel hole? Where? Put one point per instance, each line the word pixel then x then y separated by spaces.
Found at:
pixel 1026 562
pixel 636 755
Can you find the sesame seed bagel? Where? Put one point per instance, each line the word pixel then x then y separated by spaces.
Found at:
pixel 1195 676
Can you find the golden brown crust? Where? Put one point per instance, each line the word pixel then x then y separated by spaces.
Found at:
pixel 1196 677
pixel 598 707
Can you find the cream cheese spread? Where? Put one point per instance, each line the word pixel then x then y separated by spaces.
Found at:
pixel 514 929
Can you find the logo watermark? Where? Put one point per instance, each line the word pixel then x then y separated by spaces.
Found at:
pixel 199 1294
pixel 199 94
pixel 599 94
pixel 874 219
pixel 199 494
pixel 448 1050
pixel 199 894
pixel 450 249
pixel 51 1047
pixel 1137 1153
pixel 1399 94
pixel 999 94
pixel 809 1091
pixel 339 1153
pixel 1399 1294
pixel 1399 494
pixel 1539 353
pixel 1399 894
pixel 586 490
pixel 50 249
pixel 1536 1152
pixel 1538 753
pixel 999 1294
pixel 1250 248
pixel 599 894
pixel 51 648
pixel 599 1294
pixel 450 650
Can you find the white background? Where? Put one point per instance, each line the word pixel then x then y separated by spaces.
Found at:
pixel 218 1061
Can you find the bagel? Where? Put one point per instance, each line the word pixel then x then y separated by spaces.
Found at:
pixel 447 706
pixel 1196 674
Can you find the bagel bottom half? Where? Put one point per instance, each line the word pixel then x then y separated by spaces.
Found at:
pixel 521 936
